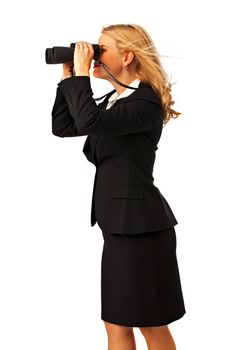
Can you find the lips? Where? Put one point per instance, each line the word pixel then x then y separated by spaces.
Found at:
pixel 96 65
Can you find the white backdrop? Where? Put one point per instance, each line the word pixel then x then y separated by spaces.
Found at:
pixel 49 254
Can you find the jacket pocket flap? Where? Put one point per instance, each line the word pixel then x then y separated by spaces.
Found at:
pixel 126 191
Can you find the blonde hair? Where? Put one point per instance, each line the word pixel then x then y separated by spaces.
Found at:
pixel 148 67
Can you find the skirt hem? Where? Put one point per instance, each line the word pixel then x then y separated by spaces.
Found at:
pixel 143 324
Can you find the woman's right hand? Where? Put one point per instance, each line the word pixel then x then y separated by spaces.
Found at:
pixel 66 70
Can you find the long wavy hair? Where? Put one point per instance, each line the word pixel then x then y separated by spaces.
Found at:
pixel 147 64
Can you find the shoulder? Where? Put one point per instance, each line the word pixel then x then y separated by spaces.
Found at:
pixel 144 92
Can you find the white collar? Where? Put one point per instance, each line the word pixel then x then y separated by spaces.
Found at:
pixel 126 92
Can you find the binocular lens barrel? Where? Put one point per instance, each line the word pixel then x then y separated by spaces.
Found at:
pixel 61 54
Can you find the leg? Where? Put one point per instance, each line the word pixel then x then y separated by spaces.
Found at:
pixel 158 338
pixel 120 337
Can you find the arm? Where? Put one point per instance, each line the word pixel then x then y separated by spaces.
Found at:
pixel 63 124
pixel 132 116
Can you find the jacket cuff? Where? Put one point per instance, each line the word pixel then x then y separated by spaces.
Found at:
pixel 80 79
pixel 73 86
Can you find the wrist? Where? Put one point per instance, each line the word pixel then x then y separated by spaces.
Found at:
pixel 65 77
pixel 82 72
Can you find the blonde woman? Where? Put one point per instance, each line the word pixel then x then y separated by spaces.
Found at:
pixel 140 281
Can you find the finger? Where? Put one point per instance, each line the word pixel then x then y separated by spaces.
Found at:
pixel 78 45
pixel 88 44
pixel 89 47
pixel 84 45
pixel 81 43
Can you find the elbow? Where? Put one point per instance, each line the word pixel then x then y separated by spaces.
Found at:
pixel 87 122
pixel 57 133
pixel 79 126
pixel 85 127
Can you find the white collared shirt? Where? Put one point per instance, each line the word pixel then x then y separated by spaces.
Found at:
pixel 112 99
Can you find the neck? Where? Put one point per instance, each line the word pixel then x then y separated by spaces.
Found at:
pixel 125 78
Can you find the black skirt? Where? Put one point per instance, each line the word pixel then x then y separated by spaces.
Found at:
pixel 140 281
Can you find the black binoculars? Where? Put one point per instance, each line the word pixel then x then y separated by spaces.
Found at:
pixel 60 54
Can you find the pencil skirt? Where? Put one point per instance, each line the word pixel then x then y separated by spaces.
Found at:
pixel 140 280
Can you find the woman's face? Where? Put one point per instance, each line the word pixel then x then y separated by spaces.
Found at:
pixel 111 56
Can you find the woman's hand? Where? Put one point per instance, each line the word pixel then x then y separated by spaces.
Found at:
pixel 83 55
pixel 67 70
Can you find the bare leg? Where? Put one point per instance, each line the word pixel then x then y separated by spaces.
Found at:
pixel 120 337
pixel 158 338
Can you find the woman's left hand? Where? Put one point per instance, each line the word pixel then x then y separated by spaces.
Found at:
pixel 83 55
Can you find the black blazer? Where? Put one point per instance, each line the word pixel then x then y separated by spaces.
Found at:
pixel 121 143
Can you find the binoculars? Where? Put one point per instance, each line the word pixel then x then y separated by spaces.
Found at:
pixel 60 54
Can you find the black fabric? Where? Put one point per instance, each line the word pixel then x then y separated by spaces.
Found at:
pixel 140 281
pixel 121 143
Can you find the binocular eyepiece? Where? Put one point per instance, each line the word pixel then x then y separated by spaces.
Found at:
pixel 60 54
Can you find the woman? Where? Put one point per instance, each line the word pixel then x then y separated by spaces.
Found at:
pixel 140 282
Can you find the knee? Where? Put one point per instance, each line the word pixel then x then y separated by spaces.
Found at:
pixel 153 332
pixel 147 332
pixel 159 335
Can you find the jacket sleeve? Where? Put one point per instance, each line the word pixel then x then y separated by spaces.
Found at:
pixel 63 124
pixel 128 117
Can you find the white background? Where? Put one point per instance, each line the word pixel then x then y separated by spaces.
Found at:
pixel 49 254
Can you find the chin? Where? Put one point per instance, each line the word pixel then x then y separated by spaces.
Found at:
pixel 96 75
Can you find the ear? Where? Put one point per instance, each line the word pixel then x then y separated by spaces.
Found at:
pixel 128 57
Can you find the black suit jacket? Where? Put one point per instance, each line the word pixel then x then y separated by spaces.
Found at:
pixel 121 143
